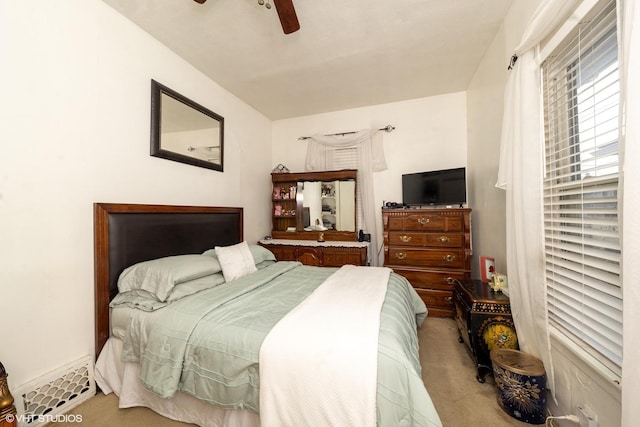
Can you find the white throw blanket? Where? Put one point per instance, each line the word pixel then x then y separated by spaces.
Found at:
pixel 318 365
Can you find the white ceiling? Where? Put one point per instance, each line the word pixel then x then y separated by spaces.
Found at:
pixel 347 54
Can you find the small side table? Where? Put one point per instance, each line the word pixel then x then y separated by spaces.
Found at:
pixel 484 322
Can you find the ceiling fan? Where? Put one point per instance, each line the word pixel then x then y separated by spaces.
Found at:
pixel 286 13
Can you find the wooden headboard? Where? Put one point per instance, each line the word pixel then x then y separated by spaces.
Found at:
pixel 125 234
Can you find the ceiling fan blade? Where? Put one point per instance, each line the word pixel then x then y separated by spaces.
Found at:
pixel 287 15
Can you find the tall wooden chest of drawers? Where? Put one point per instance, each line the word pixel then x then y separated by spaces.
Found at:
pixel 432 249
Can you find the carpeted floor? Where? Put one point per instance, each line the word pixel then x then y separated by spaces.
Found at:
pixel 450 377
pixel 448 373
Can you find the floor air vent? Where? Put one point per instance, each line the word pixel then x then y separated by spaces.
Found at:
pixel 45 399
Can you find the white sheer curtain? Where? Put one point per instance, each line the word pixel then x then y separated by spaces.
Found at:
pixel 370 158
pixel 629 12
pixel 520 174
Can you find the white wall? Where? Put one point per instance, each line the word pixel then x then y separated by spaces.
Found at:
pixel 74 119
pixel 484 118
pixel 577 383
pixel 430 134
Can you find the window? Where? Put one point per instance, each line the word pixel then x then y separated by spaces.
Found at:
pixel 347 158
pixel 581 199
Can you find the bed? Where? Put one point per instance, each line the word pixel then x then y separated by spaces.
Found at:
pixel 252 312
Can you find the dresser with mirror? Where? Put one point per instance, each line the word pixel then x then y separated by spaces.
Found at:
pixel 314 218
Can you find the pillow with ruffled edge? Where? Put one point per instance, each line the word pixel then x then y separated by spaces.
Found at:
pixel 159 276
pixel 236 260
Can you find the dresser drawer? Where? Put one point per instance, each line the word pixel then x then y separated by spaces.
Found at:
pixel 426 222
pixel 436 299
pixel 342 256
pixel 433 279
pixel 442 240
pixel 450 258
pixel 324 256
pixel 282 253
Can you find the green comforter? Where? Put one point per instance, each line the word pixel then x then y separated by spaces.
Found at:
pixel 208 344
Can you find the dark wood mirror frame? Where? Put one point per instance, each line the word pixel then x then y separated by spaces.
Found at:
pixel 190 154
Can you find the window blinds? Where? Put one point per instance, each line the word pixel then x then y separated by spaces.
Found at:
pixel 582 242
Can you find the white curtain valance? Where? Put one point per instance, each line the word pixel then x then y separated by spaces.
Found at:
pixel 368 142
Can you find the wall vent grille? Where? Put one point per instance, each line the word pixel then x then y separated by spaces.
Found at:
pixel 39 401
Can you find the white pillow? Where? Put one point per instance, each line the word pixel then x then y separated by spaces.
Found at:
pixel 236 260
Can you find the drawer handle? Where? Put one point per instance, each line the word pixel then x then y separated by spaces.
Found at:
pixel 449 257
pixel 443 239
pixel 401 255
pixel 448 299
pixel 423 221
pixel 449 280
pixel 405 238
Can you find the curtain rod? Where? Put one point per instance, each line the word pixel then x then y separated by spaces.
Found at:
pixel 387 128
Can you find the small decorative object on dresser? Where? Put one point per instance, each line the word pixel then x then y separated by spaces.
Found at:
pixel 280 169
pixel 432 249
pixel 499 283
pixel 484 322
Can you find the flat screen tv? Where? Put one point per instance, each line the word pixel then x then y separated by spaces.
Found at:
pixel 440 187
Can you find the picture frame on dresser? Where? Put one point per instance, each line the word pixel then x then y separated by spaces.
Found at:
pixel 487 268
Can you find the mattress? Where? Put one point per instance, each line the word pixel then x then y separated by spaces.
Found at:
pixel 114 376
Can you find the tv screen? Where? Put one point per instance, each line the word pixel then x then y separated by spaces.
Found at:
pixel 441 187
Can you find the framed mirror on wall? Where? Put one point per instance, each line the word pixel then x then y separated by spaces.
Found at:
pixel 185 131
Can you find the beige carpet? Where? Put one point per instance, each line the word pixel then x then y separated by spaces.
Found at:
pixel 448 373
pixel 450 377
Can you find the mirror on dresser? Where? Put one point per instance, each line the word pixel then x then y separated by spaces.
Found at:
pixel 308 204
pixel 329 204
